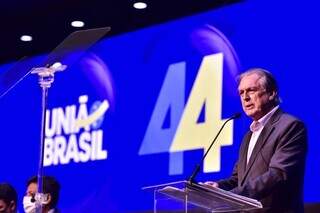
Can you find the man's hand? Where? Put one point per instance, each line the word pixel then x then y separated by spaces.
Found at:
pixel 211 184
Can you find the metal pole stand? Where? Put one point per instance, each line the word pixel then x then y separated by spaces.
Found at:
pixel 46 78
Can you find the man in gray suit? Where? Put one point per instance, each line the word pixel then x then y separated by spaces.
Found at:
pixel 272 155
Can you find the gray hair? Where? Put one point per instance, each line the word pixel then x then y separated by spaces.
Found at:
pixel 267 81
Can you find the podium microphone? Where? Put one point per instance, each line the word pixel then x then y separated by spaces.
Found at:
pixel 197 168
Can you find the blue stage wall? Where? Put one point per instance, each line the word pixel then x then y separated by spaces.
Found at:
pixel 139 109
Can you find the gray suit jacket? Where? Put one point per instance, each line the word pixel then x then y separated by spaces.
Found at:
pixel 275 172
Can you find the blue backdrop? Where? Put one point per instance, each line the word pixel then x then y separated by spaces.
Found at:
pixel 140 108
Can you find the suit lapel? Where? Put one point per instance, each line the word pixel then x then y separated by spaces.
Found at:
pixel 266 132
pixel 243 155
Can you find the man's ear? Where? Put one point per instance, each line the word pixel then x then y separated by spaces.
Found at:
pixel 12 206
pixel 47 199
pixel 272 96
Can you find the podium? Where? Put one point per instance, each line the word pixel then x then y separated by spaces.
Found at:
pixel 186 197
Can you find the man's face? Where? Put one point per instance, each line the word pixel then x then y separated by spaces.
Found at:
pixel 255 99
pixel 32 189
pixel 4 208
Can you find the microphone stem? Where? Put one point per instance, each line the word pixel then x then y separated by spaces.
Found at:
pixel 197 168
pixel 214 140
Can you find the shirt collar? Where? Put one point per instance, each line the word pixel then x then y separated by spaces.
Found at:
pixel 256 125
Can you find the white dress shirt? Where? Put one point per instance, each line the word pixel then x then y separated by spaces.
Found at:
pixel 256 128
